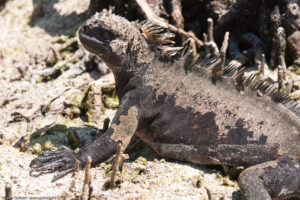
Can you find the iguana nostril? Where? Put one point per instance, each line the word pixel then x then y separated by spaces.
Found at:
pixel 85 27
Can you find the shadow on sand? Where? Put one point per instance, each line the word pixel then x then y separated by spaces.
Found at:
pixel 46 16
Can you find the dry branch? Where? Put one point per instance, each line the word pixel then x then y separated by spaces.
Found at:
pixel 289 87
pixel 262 66
pixel 281 38
pixel 210 46
pixel 210 30
pixel 72 185
pixel 275 24
pixel 56 53
pixel 224 49
pixel 218 68
pixel 280 77
pixel 56 50
pixel 190 52
pixel 48 72
pixel 115 167
pixel 68 43
pixel 87 180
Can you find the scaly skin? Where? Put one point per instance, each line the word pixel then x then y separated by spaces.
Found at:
pixel 184 114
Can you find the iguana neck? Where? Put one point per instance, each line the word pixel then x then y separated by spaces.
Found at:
pixel 137 61
pixel 122 83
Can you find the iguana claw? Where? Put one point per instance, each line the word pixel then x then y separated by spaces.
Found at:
pixel 62 161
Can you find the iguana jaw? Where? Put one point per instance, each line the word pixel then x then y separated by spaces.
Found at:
pixel 91 44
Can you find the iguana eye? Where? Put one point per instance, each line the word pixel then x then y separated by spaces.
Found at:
pixel 106 35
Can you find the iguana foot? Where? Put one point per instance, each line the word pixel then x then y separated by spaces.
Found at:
pixel 62 162
pixel 274 179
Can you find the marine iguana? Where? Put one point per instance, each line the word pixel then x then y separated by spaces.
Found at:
pixel 184 113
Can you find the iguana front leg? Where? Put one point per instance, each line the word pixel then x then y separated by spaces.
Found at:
pixel 121 130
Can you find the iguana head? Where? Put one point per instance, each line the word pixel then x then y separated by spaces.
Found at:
pixel 112 38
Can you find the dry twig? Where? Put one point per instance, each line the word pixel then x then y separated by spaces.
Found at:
pixel 218 68
pixel 211 47
pixel 210 31
pixel 281 43
pixel 275 24
pixel 68 43
pixel 224 49
pixel 206 46
pixel 56 50
pixel 190 52
pixel 56 53
pixel 281 39
pixel 262 66
pixel 115 167
pixel 87 180
pixel 280 77
pixel 48 72
pixel 289 87
pixel 8 191
pixel 72 185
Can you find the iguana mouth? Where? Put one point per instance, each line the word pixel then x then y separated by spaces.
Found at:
pixel 92 44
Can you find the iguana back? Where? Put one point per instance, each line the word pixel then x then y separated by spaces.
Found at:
pixel 222 112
